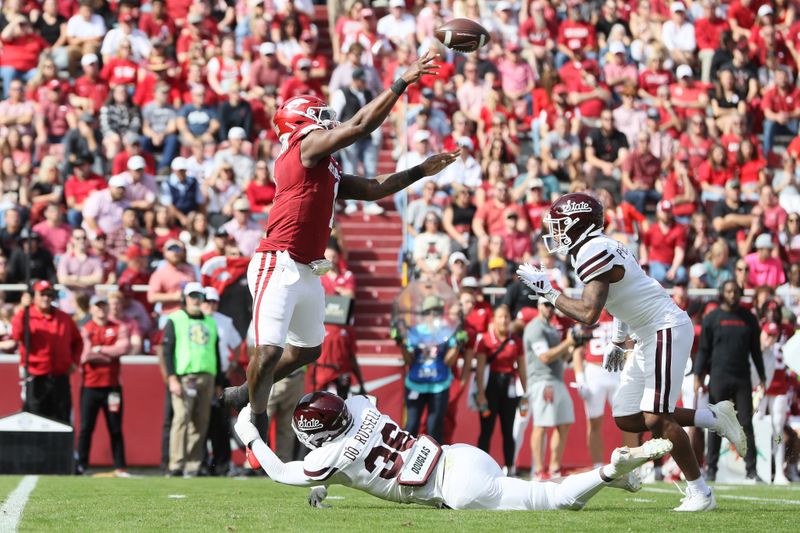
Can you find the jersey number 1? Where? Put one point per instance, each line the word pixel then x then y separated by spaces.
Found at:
pixel 393 444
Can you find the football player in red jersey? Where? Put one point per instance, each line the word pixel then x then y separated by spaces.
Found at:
pixel 288 299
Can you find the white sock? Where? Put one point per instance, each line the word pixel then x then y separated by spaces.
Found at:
pixel 704 418
pixel 609 471
pixel 699 485
pixel 597 465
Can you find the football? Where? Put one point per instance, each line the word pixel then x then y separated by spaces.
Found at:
pixel 462 35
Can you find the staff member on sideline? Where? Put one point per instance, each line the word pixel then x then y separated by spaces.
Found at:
pixel 55 350
pixel 104 342
pixel 191 357
pixel 729 338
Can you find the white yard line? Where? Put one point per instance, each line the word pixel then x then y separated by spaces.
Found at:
pixel 11 512
pixel 730 497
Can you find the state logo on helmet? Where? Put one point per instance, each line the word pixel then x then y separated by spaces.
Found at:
pixel 301 111
pixel 571 219
pixel 320 417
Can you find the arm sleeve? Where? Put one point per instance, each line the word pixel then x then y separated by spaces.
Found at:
pixel 755 349
pixel 169 348
pixel 620 330
pixel 291 473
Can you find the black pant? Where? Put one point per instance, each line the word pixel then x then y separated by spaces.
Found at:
pixel 93 399
pixel 500 403
pixel 741 394
pixel 165 429
pixel 219 433
pixel 436 403
pixel 50 396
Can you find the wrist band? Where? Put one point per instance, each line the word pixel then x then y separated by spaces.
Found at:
pixel 551 296
pixel 415 173
pixel 399 86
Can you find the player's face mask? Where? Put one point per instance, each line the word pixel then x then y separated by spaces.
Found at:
pixel 324 116
pixel 557 240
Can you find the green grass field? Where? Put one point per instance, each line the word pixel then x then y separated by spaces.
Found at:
pixel 221 504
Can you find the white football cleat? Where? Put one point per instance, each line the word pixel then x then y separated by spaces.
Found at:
pixel 627 459
pixel 632 482
pixel 695 501
pixel 371 208
pixel 728 426
pixel 781 479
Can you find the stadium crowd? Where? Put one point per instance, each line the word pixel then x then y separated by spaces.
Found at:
pixel 136 148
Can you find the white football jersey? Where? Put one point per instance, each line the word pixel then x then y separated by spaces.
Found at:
pixel 637 299
pixel 369 457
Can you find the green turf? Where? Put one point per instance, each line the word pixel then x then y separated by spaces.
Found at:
pixel 7 484
pixel 218 504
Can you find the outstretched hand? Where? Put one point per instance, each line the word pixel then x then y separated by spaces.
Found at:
pixel 436 163
pixel 423 65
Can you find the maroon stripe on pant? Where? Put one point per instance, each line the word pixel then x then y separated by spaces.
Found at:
pixel 657 398
pixel 667 369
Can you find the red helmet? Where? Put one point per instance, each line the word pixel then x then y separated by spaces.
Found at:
pixel 320 417
pixel 301 111
pixel 571 219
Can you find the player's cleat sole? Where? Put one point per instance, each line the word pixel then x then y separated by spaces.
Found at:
pixel 627 459
pixel 632 482
pixel 235 397
pixel 697 502
pixel 728 426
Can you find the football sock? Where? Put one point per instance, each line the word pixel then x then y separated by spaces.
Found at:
pixel 609 472
pixel 704 418
pixel 699 485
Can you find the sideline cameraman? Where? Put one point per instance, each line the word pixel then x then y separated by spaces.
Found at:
pixel 549 398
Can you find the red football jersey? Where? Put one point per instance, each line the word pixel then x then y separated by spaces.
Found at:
pixel 601 335
pixel 302 216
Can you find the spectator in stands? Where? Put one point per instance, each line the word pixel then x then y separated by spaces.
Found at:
pixel 196 120
pixel 21 49
pixel 606 149
pixel 85 32
pixel 677 34
pixel 104 342
pixel 159 127
pixel 517 243
pixel 398 26
pixel 265 71
pixel 78 272
pixel 99 250
pixel 180 193
pixel 457 219
pixel 300 82
pixel 717 267
pixel 29 259
pixel 53 231
pixel 245 231
pixel 102 211
pixel 17 112
pixel 192 361
pixel 789 292
pixel 731 216
pixel 781 106
pixel 83 144
pixel 431 249
pixel 641 173
pixel 54 353
pixel 342 76
pixel 261 191
pixel 790 238
pixel 489 218
pixel 561 153
pixel 664 248
pixel 773 214
pixel 242 164
pixel 708 31
pixel 764 268
pixel 714 174
pixel 53 116
pixel 679 189
pixel 501 361
pixel 140 188
pixel 428 377
pixel 548 396
pixel 167 281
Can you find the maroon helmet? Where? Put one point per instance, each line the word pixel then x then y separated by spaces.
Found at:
pixel 571 219
pixel 320 417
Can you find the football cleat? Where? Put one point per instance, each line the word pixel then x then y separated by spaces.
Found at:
pixel 632 482
pixel 626 459
pixel 695 501
pixel 728 426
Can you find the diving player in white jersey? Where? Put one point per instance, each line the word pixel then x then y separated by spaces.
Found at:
pixel 353 444
pixel 644 312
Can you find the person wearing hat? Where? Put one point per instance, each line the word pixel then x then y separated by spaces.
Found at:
pixel 516 243
pixel 104 342
pixel 265 70
pixel 103 209
pixel 765 269
pixel 698 278
pixel 663 247
pixel 221 240
pixel 346 102
pixel 164 286
pixel 678 34
pixel 457 265
pixel 193 367
pixel 428 374
pixel 242 164
pixel 141 190
pixel 53 353
pixel 689 98
pixel 245 231
pixel 729 339
pixel 90 91
pixel 181 193
pixel 300 81
pixel 398 25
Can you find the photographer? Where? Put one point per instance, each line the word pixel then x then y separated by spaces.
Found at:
pixel 551 404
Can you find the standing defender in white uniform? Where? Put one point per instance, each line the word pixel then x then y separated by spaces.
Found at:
pixel 644 312
pixel 353 444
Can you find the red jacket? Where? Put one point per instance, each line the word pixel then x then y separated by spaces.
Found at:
pixel 101 368
pixel 55 342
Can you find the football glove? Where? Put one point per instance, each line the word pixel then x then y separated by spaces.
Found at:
pixel 581 385
pixel 613 357
pixel 317 495
pixel 244 428
pixel 537 280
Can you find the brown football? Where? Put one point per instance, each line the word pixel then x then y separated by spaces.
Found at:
pixel 462 35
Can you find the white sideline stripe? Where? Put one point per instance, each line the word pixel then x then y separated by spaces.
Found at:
pixel 731 497
pixel 11 512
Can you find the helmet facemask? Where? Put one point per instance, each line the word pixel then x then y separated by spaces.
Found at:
pixel 325 116
pixel 558 240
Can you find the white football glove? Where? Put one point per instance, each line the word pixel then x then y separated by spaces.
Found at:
pixel 537 280
pixel 613 357
pixel 317 495
pixel 244 427
pixel 581 385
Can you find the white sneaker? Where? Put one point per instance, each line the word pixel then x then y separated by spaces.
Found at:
pixel 694 502
pixel 350 209
pixel 373 209
pixel 627 459
pixel 727 425
pixel 780 479
pixel 632 482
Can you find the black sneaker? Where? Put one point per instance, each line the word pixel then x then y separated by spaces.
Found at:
pixel 80 470
pixel 175 473
pixel 711 475
pixel 752 477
